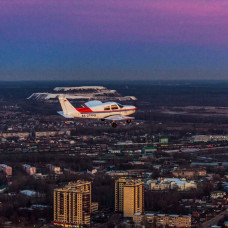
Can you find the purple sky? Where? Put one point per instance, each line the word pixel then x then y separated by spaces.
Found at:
pixel 113 39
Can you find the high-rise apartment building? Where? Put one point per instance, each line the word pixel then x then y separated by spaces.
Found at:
pixel 129 196
pixel 119 185
pixel 72 204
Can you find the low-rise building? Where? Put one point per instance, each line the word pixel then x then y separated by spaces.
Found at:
pixel 137 163
pixel 162 184
pixel 29 193
pixel 40 176
pixel 51 133
pixel 6 169
pixel 114 173
pixel 163 220
pixel 209 138
pixel 189 173
pixel 15 134
pixel 149 150
pixel 94 207
pixel 218 195
pixel 29 169
pixel 53 168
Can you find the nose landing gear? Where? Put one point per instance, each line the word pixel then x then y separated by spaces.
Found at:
pixel 128 121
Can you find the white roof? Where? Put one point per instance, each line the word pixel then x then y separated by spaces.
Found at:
pixel 149 214
pixel 137 214
pixel 28 192
pixel 176 180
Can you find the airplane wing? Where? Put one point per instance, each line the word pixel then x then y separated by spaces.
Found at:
pixel 119 117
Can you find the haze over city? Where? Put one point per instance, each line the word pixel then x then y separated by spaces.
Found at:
pixel 113 40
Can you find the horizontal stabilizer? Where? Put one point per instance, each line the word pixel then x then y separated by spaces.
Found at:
pixel 65 115
pixel 119 117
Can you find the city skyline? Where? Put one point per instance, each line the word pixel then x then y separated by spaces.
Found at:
pixel 76 40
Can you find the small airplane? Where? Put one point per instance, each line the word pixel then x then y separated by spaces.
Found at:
pixel 98 110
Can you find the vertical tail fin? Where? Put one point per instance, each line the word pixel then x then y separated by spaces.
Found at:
pixel 68 108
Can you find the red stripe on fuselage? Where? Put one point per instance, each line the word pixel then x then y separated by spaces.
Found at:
pixel 88 110
pixel 117 110
pixel 110 111
pixel 84 110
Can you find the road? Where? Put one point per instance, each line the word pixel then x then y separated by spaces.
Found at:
pixel 213 221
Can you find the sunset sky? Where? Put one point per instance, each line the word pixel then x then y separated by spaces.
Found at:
pixel 113 39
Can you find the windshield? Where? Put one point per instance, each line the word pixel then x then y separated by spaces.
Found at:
pixel 120 105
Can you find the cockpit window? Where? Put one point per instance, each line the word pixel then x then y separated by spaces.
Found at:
pixel 114 107
pixel 120 105
pixel 107 108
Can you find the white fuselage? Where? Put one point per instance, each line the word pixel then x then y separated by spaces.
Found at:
pixel 99 112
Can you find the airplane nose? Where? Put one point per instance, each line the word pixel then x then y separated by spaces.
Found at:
pixel 130 107
pixel 134 107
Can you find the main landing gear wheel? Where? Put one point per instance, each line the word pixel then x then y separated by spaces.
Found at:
pixel 128 121
pixel 114 125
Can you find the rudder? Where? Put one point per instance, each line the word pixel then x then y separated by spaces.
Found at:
pixel 68 108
